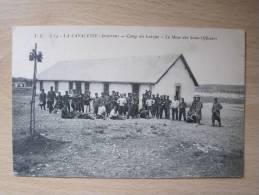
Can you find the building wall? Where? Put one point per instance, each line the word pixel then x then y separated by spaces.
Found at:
pixel 96 88
pixel 121 87
pixel 176 75
pixel 63 86
pixel 46 86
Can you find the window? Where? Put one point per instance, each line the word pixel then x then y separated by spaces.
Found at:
pixel 178 91
pixel 56 86
pixel 41 85
pixel 86 86
pixel 106 88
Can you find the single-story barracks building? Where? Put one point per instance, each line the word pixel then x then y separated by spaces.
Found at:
pixel 165 74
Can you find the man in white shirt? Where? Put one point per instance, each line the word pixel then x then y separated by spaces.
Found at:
pixel 101 112
pixel 175 106
pixel 114 115
pixel 149 103
pixel 121 102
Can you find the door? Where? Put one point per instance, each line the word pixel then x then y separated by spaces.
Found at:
pixel 106 88
pixel 135 88
pixel 178 91
pixel 78 87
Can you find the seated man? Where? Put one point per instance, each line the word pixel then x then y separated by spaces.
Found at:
pixel 143 113
pixel 191 117
pixel 101 114
pixel 65 114
pixel 114 114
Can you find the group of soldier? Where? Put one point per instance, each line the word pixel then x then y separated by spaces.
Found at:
pixel 121 106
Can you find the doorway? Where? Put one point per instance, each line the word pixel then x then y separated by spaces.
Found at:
pixel 178 91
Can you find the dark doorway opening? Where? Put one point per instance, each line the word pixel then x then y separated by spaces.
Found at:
pixel 106 88
pixel 78 87
pixel 178 91
pixel 135 88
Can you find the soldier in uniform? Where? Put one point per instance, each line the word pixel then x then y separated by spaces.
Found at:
pixel 167 107
pixel 175 106
pixel 59 102
pixel 162 108
pixel 107 104
pixel 50 99
pixel 182 112
pixel 66 101
pixel 42 99
pixel 216 112
pixel 96 103
pixel 135 105
pixel 154 106
pixel 158 105
pixel 198 109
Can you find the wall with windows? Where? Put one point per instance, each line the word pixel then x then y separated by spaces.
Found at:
pixel 120 87
pixel 46 86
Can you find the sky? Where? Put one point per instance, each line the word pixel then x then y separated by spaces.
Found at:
pixel 215 56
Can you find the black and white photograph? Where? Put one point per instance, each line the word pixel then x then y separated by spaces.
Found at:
pixel 128 102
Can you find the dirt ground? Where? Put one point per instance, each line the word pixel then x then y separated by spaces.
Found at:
pixel 133 148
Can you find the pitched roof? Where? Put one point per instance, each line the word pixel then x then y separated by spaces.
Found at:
pixel 135 69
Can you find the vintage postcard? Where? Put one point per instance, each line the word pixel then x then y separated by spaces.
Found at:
pixel 128 102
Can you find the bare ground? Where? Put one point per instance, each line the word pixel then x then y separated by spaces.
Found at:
pixel 134 148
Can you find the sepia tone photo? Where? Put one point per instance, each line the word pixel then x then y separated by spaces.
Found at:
pixel 128 102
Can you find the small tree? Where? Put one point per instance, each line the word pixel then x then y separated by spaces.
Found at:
pixel 36 57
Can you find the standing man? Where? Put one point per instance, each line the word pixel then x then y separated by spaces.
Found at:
pixel 42 99
pixel 149 103
pixel 175 106
pixel 198 110
pixel 162 106
pixel 107 103
pixel 154 106
pixel 59 102
pixel 216 112
pixel 96 103
pixel 182 112
pixel 158 105
pixel 50 99
pixel 167 107
pixel 86 102
pixel 121 102
pixel 66 101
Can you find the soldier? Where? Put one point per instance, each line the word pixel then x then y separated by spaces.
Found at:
pixel 144 99
pixel 130 105
pixel 182 112
pixel 86 101
pixel 162 104
pixel 135 105
pixel 121 102
pixel 50 99
pixel 158 105
pixel 167 107
pixel 114 114
pixel 154 106
pixel 107 104
pixel 198 110
pixel 42 99
pixel 216 112
pixel 66 101
pixel 96 103
pixel 175 106
pixel 101 113
pixel 149 103
pixel 59 102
